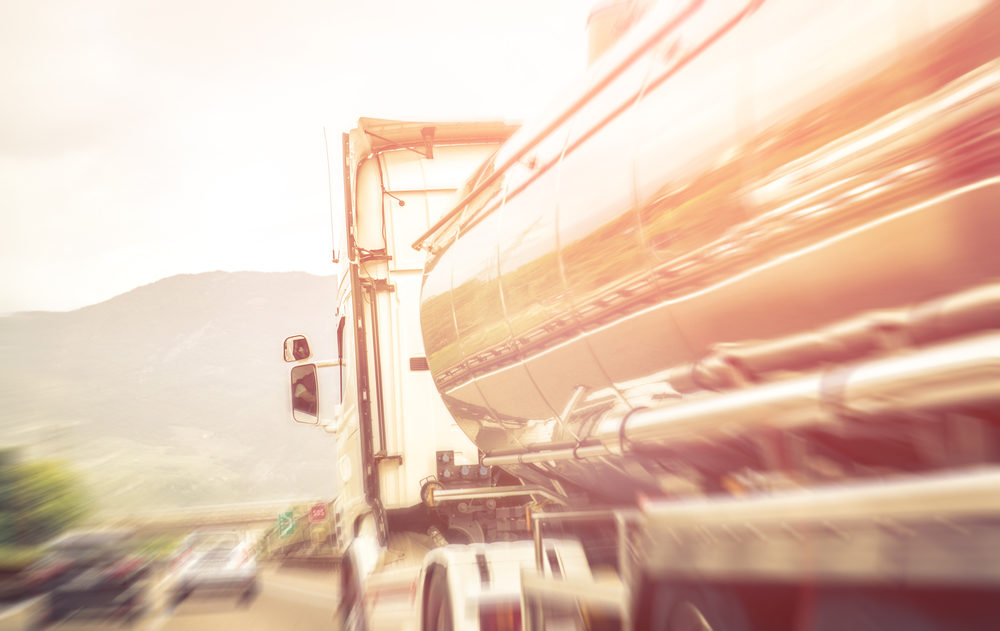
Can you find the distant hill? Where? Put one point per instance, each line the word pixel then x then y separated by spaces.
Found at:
pixel 173 394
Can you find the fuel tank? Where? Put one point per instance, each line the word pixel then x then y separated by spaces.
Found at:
pixel 729 172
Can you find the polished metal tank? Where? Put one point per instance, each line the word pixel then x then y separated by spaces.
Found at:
pixel 729 173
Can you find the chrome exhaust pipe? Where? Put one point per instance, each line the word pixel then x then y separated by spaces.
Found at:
pixel 963 373
pixel 436 495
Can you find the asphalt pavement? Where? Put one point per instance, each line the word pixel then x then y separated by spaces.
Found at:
pixel 288 599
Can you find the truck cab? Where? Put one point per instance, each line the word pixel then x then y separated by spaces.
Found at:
pixel 393 432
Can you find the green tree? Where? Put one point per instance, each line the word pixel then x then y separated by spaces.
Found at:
pixel 38 500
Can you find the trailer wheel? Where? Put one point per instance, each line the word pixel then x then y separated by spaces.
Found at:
pixel 923 610
pixel 437 604
pixel 681 608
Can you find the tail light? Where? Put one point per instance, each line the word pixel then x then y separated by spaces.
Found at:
pixel 241 556
pixel 178 560
pixel 42 574
pixel 123 568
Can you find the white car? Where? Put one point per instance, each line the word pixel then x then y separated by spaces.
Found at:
pixel 213 564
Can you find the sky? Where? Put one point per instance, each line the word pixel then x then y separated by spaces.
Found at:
pixel 144 139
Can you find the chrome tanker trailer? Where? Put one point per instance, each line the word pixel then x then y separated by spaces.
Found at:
pixel 724 330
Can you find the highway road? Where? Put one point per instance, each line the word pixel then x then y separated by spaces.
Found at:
pixel 289 599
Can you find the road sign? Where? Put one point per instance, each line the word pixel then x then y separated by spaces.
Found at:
pixel 286 523
pixel 317 512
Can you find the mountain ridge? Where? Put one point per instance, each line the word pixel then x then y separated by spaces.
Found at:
pixel 173 393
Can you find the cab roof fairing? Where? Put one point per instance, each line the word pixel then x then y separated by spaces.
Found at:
pixel 376 135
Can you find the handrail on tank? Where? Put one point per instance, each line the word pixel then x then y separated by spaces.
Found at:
pixel 574 107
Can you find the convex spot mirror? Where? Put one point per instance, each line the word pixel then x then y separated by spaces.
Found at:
pixel 297 348
pixel 305 394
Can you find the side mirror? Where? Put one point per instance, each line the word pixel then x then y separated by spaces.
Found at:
pixel 305 394
pixel 297 348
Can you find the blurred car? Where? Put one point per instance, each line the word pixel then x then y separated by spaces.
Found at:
pixel 214 564
pixel 93 574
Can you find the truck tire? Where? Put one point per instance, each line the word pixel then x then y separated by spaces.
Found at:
pixel 350 611
pixel 671 607
pixel 248 595
pixel 437 604
pixel 178 597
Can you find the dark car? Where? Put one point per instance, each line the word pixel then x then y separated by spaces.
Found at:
pixel 93 574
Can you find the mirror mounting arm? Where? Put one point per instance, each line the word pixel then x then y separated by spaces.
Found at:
pixel 329 363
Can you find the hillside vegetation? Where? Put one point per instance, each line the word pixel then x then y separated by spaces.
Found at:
pixel 173 394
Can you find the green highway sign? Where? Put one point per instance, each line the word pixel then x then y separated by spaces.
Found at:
pixel 286 523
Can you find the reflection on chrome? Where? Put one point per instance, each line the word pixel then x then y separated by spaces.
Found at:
pixel 764 180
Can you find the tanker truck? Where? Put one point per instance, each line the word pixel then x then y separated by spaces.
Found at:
pixel 714 344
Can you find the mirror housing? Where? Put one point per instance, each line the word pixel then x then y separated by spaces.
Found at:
pixel 305 394
pixel 296 348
